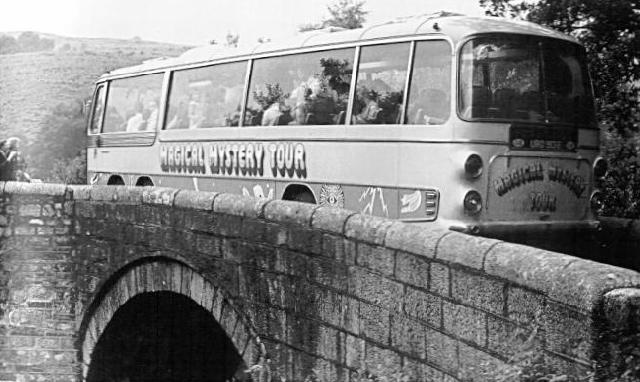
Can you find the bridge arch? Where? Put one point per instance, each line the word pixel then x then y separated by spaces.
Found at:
pixel 164 281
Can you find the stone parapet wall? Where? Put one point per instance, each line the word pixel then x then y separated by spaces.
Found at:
pixel 319 291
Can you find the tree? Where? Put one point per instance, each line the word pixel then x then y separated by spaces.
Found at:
pixel 610 32
pixel 348 14
pixel 58 154
pixel 232 40
pixel 8 45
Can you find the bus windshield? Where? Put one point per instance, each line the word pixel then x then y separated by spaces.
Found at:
pixel 525 78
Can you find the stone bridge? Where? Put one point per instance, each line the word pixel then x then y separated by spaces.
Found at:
pixel 130 284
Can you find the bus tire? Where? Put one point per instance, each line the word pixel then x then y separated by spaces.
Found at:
pixel 299 193
pixel 115 180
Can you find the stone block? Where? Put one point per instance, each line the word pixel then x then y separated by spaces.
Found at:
pixel 30 210
pixel 375 289
pixel 508 339
pixel 462 249
pixel 568 331
pixel 465 322
pixel 23 188
pixel 328 273
pixel 330 219
pixel 288 212
pixel 408 336
pixel 412 269
pixel 376 258
pixel 158 196
pixel 374 323
pixel 524 306
pixel 419 239
pixel 478 290
pixel 423 306
pixel 355 352
pixel 366 228
pixel 331 344
pixel 442 351
pixel 227 225
pixel 439 279
pixel 621 310
pixel 333 247
pixel 415 370
pixel 477 365
pixel 194 200
pixel 383 363
pixel 239 205
pixel 304 240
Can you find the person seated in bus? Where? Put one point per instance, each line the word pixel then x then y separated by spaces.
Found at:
pixel 323 102
pixel 276 114
pixel 136 121
pixel 196 112
pixel 150 113
pixel 298 102
pixel 370 110
pixel 180 117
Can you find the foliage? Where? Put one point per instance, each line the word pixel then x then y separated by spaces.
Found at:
pixel 232 40
pixel 273 94
pixel 26 42
pixel 57 155
pixel 609 30
pixel 348 14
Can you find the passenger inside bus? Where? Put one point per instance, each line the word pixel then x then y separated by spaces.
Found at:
pixel 370 109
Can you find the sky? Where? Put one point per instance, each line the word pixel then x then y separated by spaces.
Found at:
pixel 196 22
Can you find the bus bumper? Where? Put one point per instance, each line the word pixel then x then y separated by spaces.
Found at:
pixel 528 231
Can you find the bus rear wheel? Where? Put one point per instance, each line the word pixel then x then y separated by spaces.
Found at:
pixel 299 193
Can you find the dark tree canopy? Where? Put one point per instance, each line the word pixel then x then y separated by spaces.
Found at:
pixel 348 14
pixel 610 31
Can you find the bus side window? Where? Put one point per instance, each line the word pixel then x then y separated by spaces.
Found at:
pixel 206 97
pixel 132 104
pixel 430 90
pixel 300 89
pixel 382 74
pixel 98 108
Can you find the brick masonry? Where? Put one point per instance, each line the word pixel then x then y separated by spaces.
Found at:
pixel 300 290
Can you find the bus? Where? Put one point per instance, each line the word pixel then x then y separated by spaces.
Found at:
pixel 480 124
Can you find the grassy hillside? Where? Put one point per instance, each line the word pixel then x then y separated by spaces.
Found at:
pixel 37 88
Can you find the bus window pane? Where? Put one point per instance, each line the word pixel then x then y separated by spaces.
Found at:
pixel 132 104
pixel 526 78
pixel 430 90
pixel 382 74
pixel 96 116
pixel 206 97
pixel 301 89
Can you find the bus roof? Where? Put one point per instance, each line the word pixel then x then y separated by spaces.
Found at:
pixel 451 25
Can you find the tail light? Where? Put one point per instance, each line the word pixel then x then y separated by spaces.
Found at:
pixel 600 167
pixel 596 201
pixel 472 203
pixel 473 166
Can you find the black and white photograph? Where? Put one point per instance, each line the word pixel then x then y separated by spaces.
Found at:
pixel 320 191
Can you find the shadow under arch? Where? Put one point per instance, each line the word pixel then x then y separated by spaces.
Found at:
pixel 158 280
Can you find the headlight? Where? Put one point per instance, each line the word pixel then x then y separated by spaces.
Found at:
pixel 472 203
pixel 473 166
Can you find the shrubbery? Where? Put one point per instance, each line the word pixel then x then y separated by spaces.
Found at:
pixel 26 42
